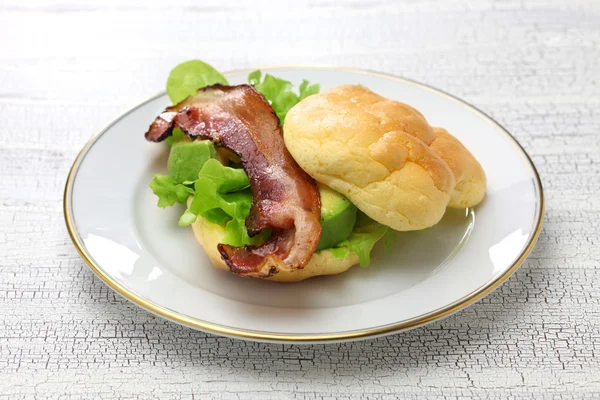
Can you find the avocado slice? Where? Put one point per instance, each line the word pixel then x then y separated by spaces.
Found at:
pixel 187 158
pixel 338 216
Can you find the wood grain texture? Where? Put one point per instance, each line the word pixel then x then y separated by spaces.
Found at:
pixel 67 68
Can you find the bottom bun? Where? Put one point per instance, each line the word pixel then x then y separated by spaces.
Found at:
pixel 209 235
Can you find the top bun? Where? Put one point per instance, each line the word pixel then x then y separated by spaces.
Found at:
pixel 382 155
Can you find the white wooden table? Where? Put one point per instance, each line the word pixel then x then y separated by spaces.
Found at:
pixel 68 68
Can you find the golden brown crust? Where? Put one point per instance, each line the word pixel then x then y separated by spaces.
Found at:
pixel 470 178
pixel 209 235
pixel 383 155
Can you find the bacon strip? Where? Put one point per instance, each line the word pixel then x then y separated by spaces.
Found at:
pixel 284 197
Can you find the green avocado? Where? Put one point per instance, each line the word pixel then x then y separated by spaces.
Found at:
pixel 187 158
pixel 338 216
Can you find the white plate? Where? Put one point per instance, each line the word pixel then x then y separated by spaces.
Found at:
pixel 139 250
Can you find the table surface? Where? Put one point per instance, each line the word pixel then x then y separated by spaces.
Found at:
pixel 68 68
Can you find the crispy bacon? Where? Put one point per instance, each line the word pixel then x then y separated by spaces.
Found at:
pixel 284 197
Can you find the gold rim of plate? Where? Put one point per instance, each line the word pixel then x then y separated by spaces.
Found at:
pixel 319 337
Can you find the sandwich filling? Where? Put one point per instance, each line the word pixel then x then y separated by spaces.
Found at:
pixel 275 216
pixel 285 199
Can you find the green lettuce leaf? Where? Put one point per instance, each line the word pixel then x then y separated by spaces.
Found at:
pixel 169 192
pixel 236 234
pixel 279 92
pixel 211 193
pixel 366 233
pixel 223 196
pixel 186 159
pixel 306 89
pixel 186 78
pixel 225 178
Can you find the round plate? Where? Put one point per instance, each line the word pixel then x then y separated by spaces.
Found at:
pixel 139 250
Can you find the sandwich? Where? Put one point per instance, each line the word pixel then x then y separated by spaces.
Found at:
pixel 285 186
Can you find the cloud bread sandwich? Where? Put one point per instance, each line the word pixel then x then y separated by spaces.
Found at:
pixel 285 186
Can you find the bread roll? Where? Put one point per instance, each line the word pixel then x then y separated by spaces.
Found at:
pixel 470 178
pixel 382 155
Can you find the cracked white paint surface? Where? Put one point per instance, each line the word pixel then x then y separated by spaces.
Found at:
pixel 67 68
